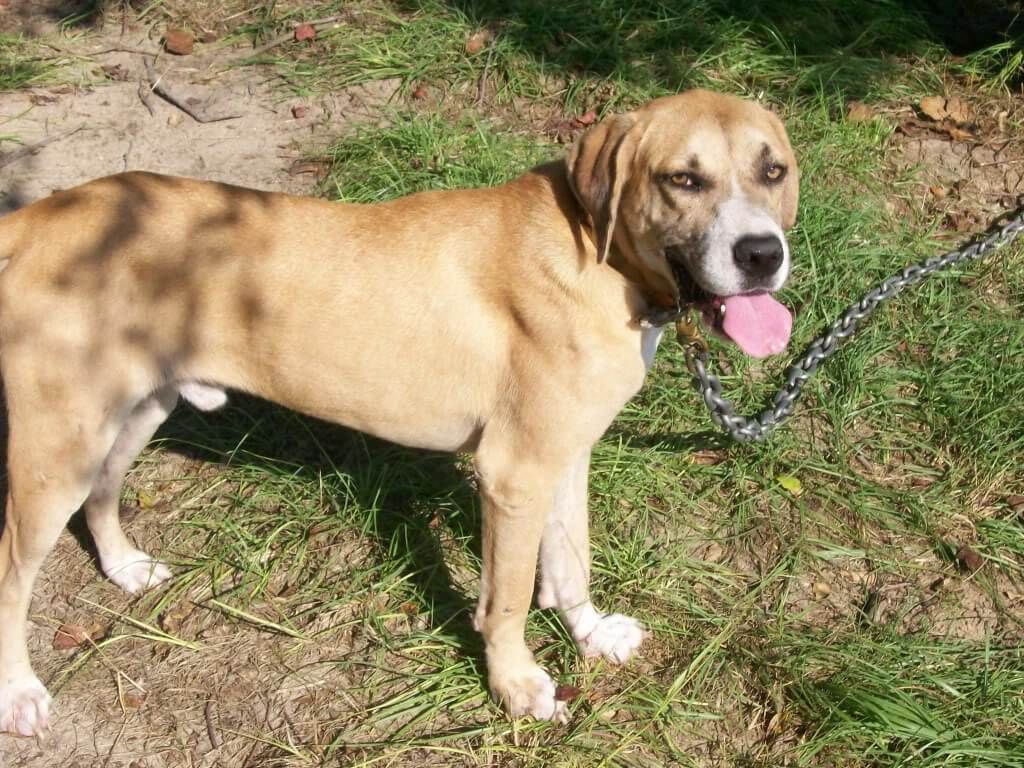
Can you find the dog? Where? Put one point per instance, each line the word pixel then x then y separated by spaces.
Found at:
pixel 513 322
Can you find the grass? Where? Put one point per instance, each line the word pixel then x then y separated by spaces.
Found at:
pixel 23 64
pixel 828 628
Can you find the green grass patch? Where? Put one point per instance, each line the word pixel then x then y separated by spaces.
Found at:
pixel 23 64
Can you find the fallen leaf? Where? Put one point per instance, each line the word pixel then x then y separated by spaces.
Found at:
pixel 133 699
pixel 319 169
pixel 478 41
pixel 299 111
pixel 179 42
pixel 146 499
pixel 791 484
pixel 713 553
pixel 42 98
pixel 419 92
pixel 567 693
pixel 969 560
pixel 116 72
pixel 707 458
pixel 821 590
pixel 934 107
pixel 1016 503
pixel 957 109
pixel 409 609
pixel 305 32
pixel 587 118
pixel 70 636
pixel 938 192
pixel 172 619
pixel 859 112
pixel 955 132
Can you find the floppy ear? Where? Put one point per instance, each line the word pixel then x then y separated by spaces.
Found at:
pixel 599 164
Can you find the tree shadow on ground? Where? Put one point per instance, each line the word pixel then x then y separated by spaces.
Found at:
pixel 804 44
pixel 404 487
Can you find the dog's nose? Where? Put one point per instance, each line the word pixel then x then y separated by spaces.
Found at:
pixel 758 256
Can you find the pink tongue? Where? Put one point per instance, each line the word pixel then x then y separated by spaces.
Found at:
pixel 758 324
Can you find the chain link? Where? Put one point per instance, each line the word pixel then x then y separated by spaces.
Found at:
pixel 723 411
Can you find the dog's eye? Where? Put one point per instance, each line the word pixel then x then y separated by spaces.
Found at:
pixel 773 172
pixel 686 181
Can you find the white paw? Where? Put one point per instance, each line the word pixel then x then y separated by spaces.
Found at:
pixel 529 693
pixel 135 571
pixel 24 706
pixel 616 638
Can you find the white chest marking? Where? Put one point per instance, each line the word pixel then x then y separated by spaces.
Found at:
pixel 649 338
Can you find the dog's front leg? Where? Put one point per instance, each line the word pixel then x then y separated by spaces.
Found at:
pixel 565 574
pixel 516 500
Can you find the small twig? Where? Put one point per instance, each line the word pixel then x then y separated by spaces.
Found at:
pixel 481 86
pixel 161 90
pixel 31 149
pixel 89 54
pixel 211 730
pixel 281 39
pixel 146 96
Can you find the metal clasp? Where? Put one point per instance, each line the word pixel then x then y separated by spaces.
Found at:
pixel 690 338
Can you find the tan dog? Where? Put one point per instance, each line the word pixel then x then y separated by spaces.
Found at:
pixel 506 321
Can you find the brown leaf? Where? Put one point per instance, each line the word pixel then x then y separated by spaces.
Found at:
pixel 116 72
pixel 478 41
pixel 70 636
pixel 567 693
pixel 934 107
pixel 305 32
pixel 319 169
pixel 938 192
pixel 299 111
pixel 133 699
pixel 39 99
pixel 179 42
pixel 969 560
pixel 419 92
pixel 1016 503
pixel 859 112
pixel 957 109
pixel 821 590
pixel 587 118
pixel 955 132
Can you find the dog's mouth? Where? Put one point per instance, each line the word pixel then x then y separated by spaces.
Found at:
pixel 756 322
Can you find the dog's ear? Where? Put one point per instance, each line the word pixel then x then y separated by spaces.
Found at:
pixel 599 164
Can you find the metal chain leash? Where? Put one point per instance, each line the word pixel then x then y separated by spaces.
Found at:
pixel 723 411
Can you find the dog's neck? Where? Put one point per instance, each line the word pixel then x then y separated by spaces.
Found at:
pixel 651 302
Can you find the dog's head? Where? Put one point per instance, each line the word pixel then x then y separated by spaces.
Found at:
pixel 694 192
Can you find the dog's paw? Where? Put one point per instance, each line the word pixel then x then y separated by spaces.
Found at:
pixel 24 707
pixel 135 571
pixel 616 638
pixel 528 692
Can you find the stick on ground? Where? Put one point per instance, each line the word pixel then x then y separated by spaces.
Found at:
pixel 31 149
pixel 157 87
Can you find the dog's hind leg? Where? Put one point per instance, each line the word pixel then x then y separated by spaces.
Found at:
pixel 58 439
pixel 565 575
pixel 131 569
